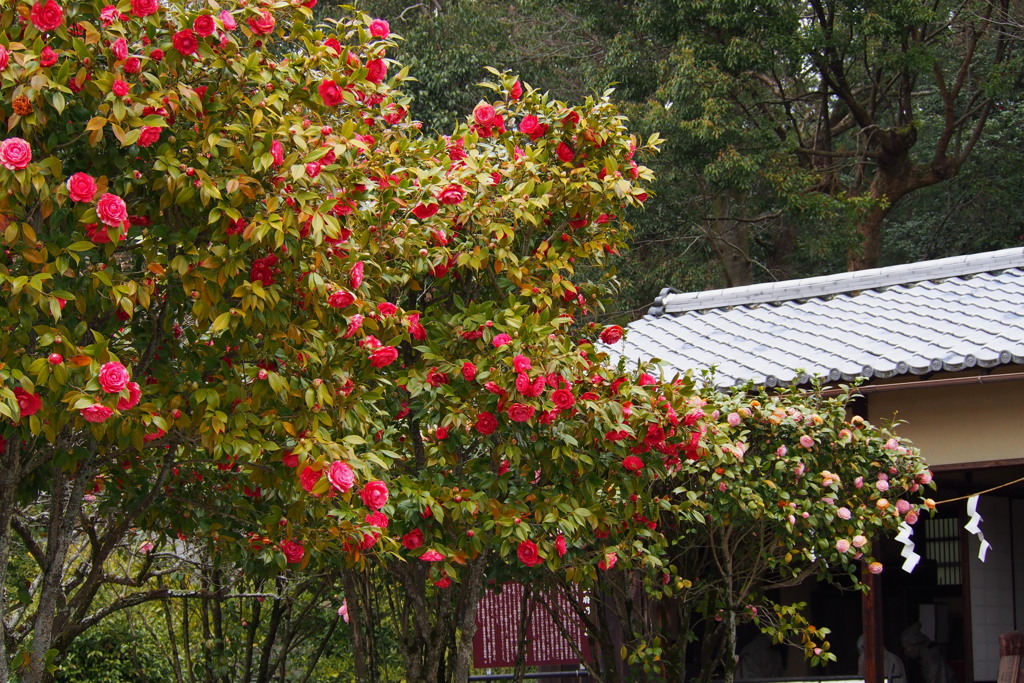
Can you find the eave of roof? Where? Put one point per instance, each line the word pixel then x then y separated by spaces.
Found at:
pixel 950 314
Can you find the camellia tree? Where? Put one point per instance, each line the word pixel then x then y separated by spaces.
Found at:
pixel 238 279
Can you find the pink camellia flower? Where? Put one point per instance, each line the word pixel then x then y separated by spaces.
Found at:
pixel 902 506
pixel 149 135
pixel 483 113
pixel 734 419
pixel 120 49
pixel 632 463
pixel 379 28
pixel 277 152
pixel 925 477
pixel 355 276
pixel 807 442
pixel 385 355
pixel 374 494
pixel 111 210
pixel 229 25
pixel 432 556
pixel 28 404
pixel 911 517
pixel 781 451
pixel 799 469
pixel 340 299
pixel 452 194
pixel 844 513
pixel 263 24
pixel 377 519
pixel 842 545
pixel 529 554
pixel 113 377
pixel 120 88
pixel 341 476
pixel 875 567
pixel 859 541
pixel 293 551
pixel 143 8
pixel 81 187
pixel 309 478
pixel 501 340
pixel 343 611
pixel 412 540
pixel 521 363
pixel 858 482
pixel 47 16
pixel 15 154
pixel 97 412
pixel 133 398
pixel 386 308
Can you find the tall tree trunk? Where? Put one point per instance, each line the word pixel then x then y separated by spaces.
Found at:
pixel 65 504
pixel 10 473
pixel 472 592
pixel 359 615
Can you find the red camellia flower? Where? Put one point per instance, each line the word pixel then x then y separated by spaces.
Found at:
pixel 330 93
pixel 521 363
pixel 97 413
pixel 47 16
pixel 264 269
pixel 633 463
pixel 385 355
pixel 113 377
pixel 134 396
pixel 608 562
pixel 441 433
pixel 416 329
pixel 452 194
pixel 29 404
pixel 46 58
pixel 120 49
pixel 564 152
pixel 486 423
pixel 423 211
pixel 185 42
pixel 412 540
pixel 143 8
pixel 435 378
pixel 120 88
pixel 528 554
pixel 81 187
pixel 263 24
pixel 432 556
pixel 277 152
pixel 15 154
pixel 376 70
pixel 468 371
pixel 560 541
pixel 355 276
pixel 563 398
pixel 520 412
pixel 149 135
pixel 341 476
pixel 293 552
pixel 309 477
pixel 377 519
pixel 204 25
pixel 379 28
pixel 611 334
pixel 340 299
pixel 5 58
pixel 111 210
pixel 374 494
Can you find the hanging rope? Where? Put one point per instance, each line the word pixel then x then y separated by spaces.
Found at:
pixel 994 488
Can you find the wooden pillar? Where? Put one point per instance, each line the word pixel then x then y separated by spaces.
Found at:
pixel 871 613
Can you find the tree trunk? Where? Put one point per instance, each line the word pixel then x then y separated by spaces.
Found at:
pixel 65 504
pixel 359 616
pixel 472 592
pixel 10 473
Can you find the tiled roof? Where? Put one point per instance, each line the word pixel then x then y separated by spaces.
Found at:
pixel 949 314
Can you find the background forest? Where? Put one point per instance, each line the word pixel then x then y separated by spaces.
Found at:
pixel 804 137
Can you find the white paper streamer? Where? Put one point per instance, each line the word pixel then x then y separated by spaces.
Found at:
pixel 974 526
pixel 911 558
